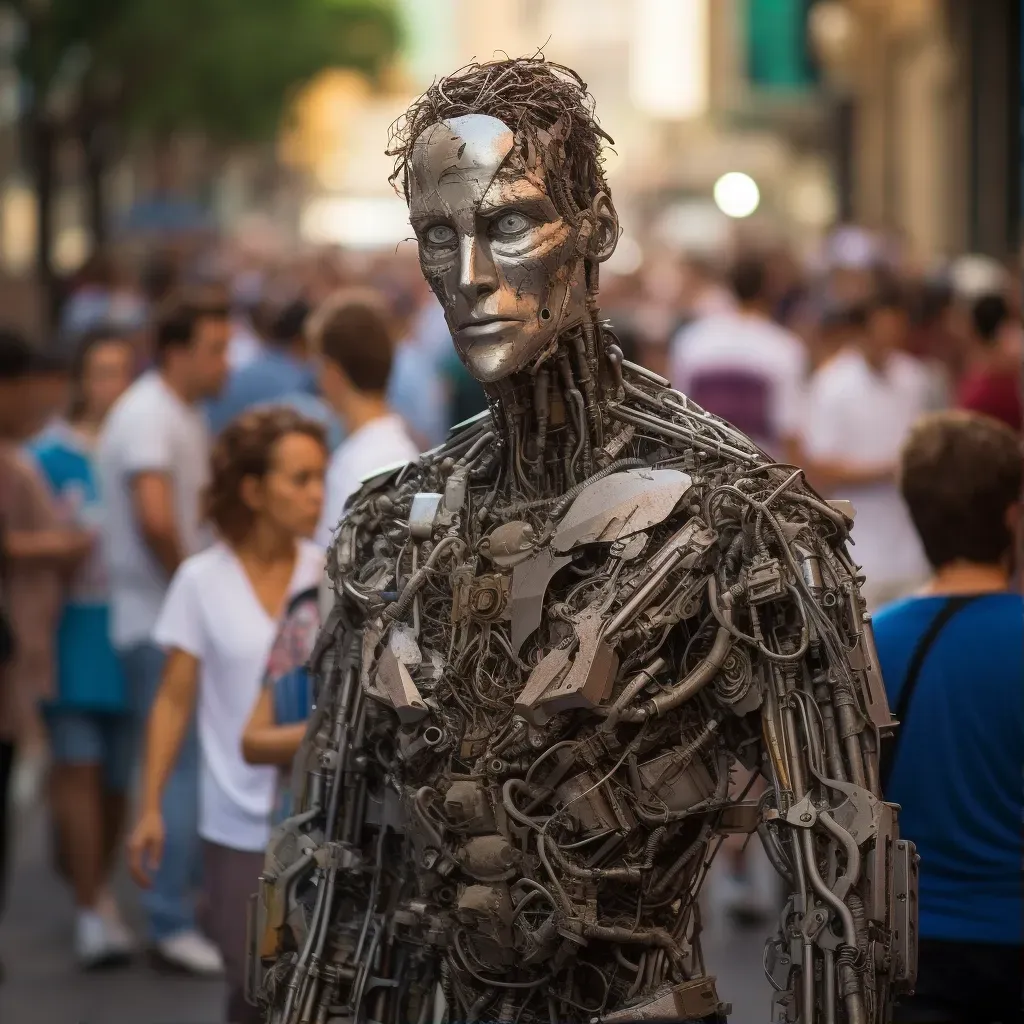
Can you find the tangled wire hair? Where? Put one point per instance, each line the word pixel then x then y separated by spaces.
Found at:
pixel 548 108
pixel 246 448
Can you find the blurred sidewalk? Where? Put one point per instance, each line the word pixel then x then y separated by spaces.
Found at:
pixel 43 985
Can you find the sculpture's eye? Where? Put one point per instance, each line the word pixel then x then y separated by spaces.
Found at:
pixel 441 235
pixel 512 224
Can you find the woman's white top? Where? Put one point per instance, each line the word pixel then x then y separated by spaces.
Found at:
pixel 212 612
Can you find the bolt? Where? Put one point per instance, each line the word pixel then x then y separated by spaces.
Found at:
pixel 806 817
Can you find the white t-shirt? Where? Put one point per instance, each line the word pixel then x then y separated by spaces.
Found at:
pixel 863 417
pixel 150 429
pixel 212 613
pixel 381 442
pixel 747 370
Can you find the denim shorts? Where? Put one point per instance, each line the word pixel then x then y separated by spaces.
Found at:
pixel 81 737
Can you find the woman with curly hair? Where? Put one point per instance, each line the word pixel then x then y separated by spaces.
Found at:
pixel 218 624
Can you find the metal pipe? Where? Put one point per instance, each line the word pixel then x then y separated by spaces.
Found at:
pixel 819 886
pixel 807 947
pixel 689 686
pixel 851 876
pixel 829 976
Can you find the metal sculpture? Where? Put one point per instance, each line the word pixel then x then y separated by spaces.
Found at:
pixel 553 639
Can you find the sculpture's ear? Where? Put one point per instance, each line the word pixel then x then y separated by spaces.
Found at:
pixel 604 235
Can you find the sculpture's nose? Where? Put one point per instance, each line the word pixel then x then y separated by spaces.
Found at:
pixel 477 273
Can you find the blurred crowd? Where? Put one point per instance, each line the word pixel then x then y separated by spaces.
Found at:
pixel 173 460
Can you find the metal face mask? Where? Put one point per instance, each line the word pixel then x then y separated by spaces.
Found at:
pixel 499 256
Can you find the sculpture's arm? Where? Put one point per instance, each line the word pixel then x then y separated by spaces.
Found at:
pixel 849 929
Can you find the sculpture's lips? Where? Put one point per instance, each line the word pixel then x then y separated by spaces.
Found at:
pixel 485 326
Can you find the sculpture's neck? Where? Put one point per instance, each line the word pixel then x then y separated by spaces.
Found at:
pixel 552 417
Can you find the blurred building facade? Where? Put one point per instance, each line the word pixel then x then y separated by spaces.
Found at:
pixel 673 87
pixel 926 102
pixel 896 114
pixel 901 115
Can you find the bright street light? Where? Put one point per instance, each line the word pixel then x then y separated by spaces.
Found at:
pixel 737 194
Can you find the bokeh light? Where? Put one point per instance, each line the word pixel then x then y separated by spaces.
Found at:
pixel 736 194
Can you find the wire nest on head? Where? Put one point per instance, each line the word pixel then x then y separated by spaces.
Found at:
pixel 546 105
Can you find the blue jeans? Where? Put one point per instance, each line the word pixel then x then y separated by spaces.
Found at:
pixel 169 903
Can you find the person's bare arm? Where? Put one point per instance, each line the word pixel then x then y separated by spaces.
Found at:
pixel 153 495
pixel 168 723
pixel 165 731
pixel 61 549
pixel 831 475
pixel 265 742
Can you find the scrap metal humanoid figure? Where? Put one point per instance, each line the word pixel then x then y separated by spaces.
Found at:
pixel 553 639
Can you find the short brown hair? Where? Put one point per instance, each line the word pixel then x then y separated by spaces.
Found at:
pixel 960 473
pixel 246 448
pixel 178 316
pixel 354 331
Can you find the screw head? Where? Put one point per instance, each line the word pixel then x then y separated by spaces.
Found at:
pixel 805 816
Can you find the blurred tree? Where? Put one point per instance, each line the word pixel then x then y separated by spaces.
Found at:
pixel 114 71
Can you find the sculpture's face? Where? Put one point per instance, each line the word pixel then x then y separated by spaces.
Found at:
pixel 503 262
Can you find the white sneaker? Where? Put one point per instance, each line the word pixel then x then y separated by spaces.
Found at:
pixel 119 933
pixel 94 945
pixel 189 951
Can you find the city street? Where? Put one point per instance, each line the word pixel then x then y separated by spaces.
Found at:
pixel 43 986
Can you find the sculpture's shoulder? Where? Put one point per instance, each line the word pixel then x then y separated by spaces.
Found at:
pixel 729 473
pixel 651 397
pixel 390 504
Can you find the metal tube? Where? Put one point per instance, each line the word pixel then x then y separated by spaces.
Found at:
pixel 645 593
pixel 856 762
pixel 691 684
pixel 807 968
pixel 829 994
pixel 851 876
pixel 819 886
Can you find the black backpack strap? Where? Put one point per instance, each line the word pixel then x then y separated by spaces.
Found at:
pixel 924 645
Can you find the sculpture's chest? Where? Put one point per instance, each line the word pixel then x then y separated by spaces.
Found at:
pixel 516 619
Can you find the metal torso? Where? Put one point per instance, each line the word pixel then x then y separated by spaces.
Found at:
pixel 529 710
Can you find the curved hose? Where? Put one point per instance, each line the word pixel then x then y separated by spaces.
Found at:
pixel 418 578
pixel 641 936
pixel 687 687
pixel 558 509
pixel 478 446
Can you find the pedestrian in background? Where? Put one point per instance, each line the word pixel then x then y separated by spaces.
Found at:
pixel 153 462
pixel 741 365
pixel 991 384
pixel 288 352
pixel 859 409
pixel 353 341
pixel 281 367
pixel 953 661
pixel 88 720
pixel 37 553
pixel 218 624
